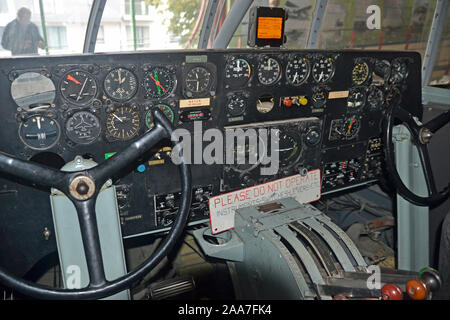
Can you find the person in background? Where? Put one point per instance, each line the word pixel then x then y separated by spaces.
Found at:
pixel 21 36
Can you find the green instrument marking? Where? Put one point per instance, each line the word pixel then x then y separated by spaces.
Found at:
pixel 157 86
pixel 109 155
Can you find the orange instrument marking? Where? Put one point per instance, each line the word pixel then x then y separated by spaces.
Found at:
pixel 69 77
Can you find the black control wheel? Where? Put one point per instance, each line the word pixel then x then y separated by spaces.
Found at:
pixel 82 188
pixel 421 135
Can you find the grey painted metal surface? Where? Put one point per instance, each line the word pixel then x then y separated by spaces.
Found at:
pixel 346 239
pixel 412 221
pixel 68 234
pixel 319 12
pixel 232 249
pixel 332 242
pixel 434 38
pixel 302 252
pixel 208 22
pixel 435 95
pixel 232 21
pixel 276 263
pixel 95 18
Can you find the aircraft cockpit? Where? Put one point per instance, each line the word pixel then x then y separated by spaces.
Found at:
pixel 224 150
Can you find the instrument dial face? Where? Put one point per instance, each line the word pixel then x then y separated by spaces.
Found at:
pixel 375 98
pixel 323 69
pixel 39 132
pixel 159 83
pixel 344 129
pixel 168 112
pixel 238 72
pixel 356 98
pixel 198 80
pixel 399 71
pixel 120 84
pixel 78 87
pixel 360 73
pixel 393 96
pixel 244 155
pixel 312 137
pixel 289 148
pixel 297 70
pixel 83 127
pixel 269 71
pixel 123 123
pixel 319 97
pixel 236 106
pixel 351 128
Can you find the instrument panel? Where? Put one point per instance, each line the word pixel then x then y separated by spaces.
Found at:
pixel 327 105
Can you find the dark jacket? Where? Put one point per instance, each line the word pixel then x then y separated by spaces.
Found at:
pixel 21 40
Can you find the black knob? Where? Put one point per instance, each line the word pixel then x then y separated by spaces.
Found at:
pixel 82 188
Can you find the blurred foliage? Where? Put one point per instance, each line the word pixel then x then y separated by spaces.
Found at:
pixel 184 15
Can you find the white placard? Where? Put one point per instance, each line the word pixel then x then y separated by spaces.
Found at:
pixel 304 189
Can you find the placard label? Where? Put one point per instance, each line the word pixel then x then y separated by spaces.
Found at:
pixel 304 189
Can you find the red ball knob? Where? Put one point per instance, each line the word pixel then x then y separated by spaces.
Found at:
pixel 416 289
pixel 287 102
pixel 391 292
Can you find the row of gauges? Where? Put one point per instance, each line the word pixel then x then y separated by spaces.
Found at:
pixel 41 132
pixel 392 73
pixel 238 71
pixel 374 96
pixel 80 87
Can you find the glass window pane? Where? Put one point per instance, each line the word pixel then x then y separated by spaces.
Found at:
pixel 3 6
pixel 405 25
pixel 441 69
pixel 66 23
pixel 159 24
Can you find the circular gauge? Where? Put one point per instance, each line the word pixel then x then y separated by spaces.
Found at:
pixel 312 137
pixel 269 71
pixel 393 96
pixel 323 69
pixel 375 98
pixel 198 79
pixel 246 156
pixel 123 123
pixel 399 71
pixel 360 73
pixel 78 87
pixel 356 98
pixel 265 103
pixel 238 72
pixel 39 132
pixel 159 83
pixel 83 127
pixel 289 148
pixel 168 112
pixel 32 89
pixel 351 128
pixel 120 84
pixel 297 70
pixel 319 97
pixel 236 106
pixel 383 70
